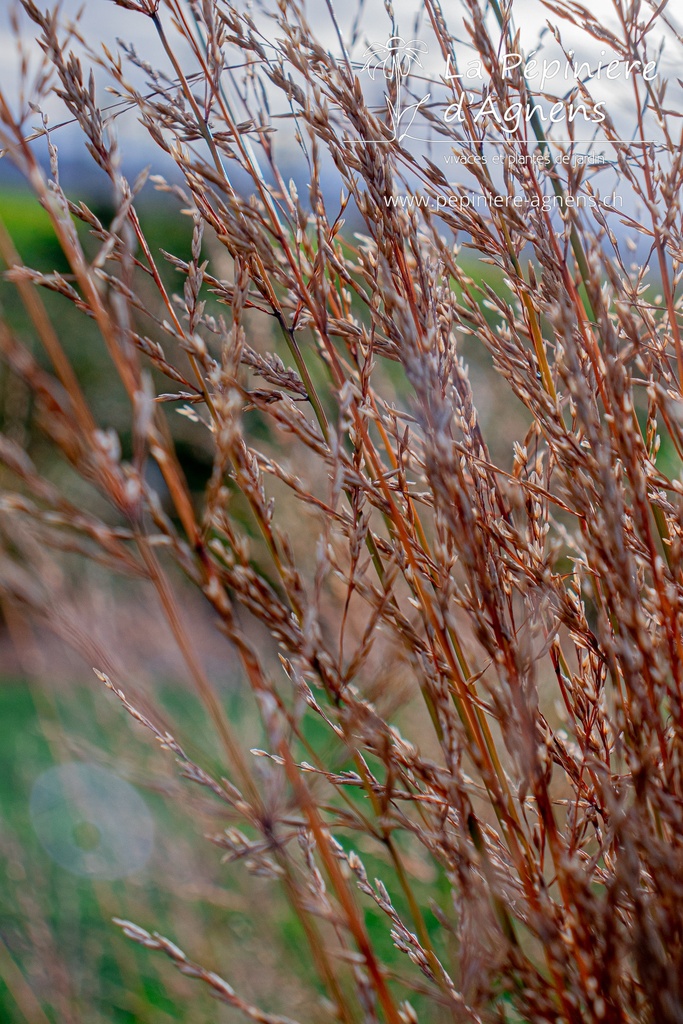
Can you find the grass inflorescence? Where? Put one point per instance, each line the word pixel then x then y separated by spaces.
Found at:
pixel 461 626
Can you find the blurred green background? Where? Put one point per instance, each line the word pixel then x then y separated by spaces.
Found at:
pixel 61 957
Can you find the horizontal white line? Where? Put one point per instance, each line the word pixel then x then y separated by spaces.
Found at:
pixel 502 142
